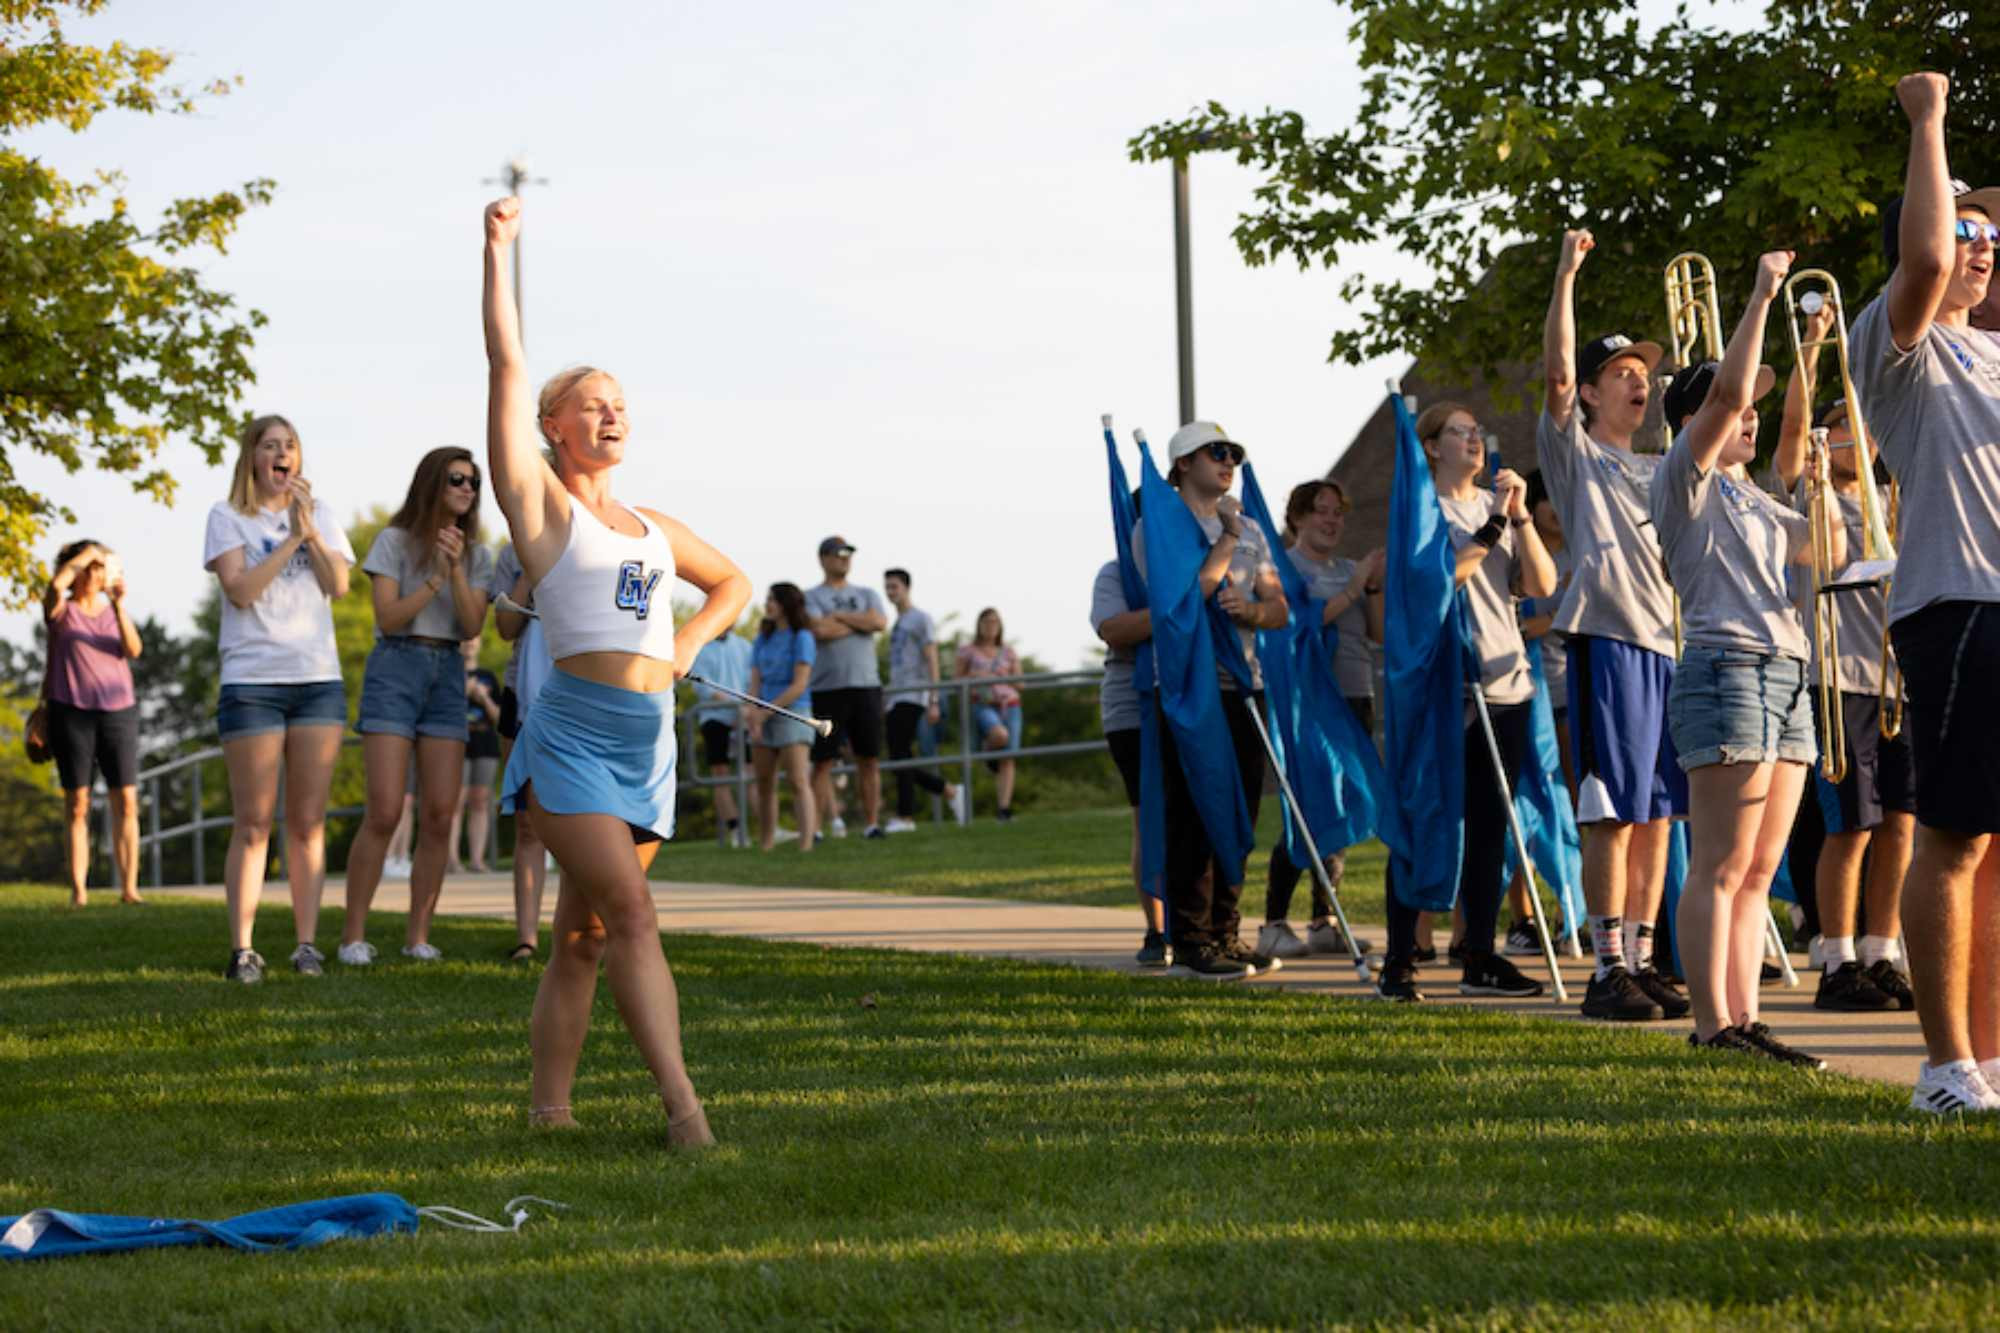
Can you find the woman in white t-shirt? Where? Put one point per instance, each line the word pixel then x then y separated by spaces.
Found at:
pixel 281 558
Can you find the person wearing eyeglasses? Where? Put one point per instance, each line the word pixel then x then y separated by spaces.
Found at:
pixel 1931 382
pixel 1204 917
pixel 1315 519
pixel 1618 619
pixel 429 581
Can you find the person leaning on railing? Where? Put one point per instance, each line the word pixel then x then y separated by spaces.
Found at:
pixel 92 712
pixel 281 558
pixel 996 709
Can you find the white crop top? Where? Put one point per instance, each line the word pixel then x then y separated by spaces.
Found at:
pixel 609 593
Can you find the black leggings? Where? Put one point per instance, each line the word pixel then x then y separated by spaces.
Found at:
pixel 1283 878
pixel 1203 895
pixel 1481 882
pixel 903 721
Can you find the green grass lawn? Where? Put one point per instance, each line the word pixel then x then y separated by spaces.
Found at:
pixel 1076 857
pixel 991 1143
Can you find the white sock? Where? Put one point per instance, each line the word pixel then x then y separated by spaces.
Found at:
pixel 1836 950
pixel 1874 948
pixel 1628 938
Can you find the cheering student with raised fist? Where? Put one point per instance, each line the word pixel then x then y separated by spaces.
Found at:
pixel 595 761
pixel 1618 617
pixel 430 576
pixel 1741 705
pixel 1931 381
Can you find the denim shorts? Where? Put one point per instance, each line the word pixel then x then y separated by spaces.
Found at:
pixel 414 689
pixel 985 717
pixel 778 732
pixel 1733 706
pixel 260 710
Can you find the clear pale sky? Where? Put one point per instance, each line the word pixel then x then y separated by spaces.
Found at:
pixel 868 269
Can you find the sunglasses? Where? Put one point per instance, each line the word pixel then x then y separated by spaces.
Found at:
pixel 1224 452
pixel 462 479
pixel 1969 231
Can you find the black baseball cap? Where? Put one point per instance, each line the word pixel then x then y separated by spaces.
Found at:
pixel 1601 352
pixel 836 546
pixel 1830 413
pixel 1689 390
pixel 1986 200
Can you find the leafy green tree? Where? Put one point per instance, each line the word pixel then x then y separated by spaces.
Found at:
pixel 110 344
pixel 1487 127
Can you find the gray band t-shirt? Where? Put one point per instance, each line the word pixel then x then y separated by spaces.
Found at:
pixel 1619 590
pixel 1935 411
pixel 908 665
pixel 1728 544
pixel 1117 700
pixel 1489 595
pixel 1861 615
pixel 1353 660
pixel 846 663
pixel 393 555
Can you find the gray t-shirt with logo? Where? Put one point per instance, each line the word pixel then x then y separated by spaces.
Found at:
pixel 1250 558
pixel 1117 700
pixel 846 663
pixel 1555 651
pixel 1353 662
pixel 913 631
pixel 1861 615
pixel 395 556
pixel 1619 590
pixel 1489 595
pixel 1729 543
pixel 1935 411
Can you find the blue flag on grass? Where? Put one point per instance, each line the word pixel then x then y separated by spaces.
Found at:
pixel 50 1233
pixel 1541 799
pixel 1328 757
pixel 1152 790
pixel 1184 655
pixel 1426 647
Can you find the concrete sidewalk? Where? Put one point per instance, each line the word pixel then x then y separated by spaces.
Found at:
pixel 1879 1046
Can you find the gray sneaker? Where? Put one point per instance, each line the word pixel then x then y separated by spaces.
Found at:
pixel 1278 939
pixel 307 960
pixel 1326 937
pixel 246 966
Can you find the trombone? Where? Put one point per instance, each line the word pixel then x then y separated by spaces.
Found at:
pixel 1807 292
pixel 1694 318
pixel 1825 614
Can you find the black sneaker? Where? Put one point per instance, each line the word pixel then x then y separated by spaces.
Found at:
pixel 1453 953
pixel 1206 963
pixel 1494 975
pixel 246 966
pixel 1155 952
pixel 874 833
pixel 1619 999
pixel 1398 982
pixel 1234 947
pixel 1771 975
pixel 1892 984
pixel 1728 1039
pixel 1662 992
pixel 1523 941
pixel 1424 954
pixel 1004 816
pixel 1760 1038
pixel 1849 990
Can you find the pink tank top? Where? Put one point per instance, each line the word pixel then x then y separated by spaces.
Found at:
pixel 87 664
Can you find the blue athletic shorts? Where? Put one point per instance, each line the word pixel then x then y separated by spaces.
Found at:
pixel 596 749
pixel 1734 706
pixel 1626 770
pixel 260 710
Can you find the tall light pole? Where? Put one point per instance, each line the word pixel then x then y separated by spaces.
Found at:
pixel 1183 290
pixel 514 175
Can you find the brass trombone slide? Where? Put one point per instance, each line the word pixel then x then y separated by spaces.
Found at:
pixel 1820 517
pixel 1807 292
pixel 1694 317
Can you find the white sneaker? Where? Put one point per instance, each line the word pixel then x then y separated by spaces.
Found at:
pixel 1816 953
pixel 961 807
pixel 837 829
pixel 423 953
pixel 1278 939
pixel 1943 1091
pixel 741 838
pixel 358 954
pixel 900 826
pixel 396 867
pixel 785 835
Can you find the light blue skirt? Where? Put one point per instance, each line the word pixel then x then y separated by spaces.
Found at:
pixel 593 749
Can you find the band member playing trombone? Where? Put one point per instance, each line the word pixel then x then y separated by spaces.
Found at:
pixel 1739 708
pixel 1932 385
pixel 1867 801
pixel 1618 614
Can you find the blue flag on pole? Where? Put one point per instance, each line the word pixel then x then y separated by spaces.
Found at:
pixel 1184 654
pixel 50 1233
pixel 1426 647
pixel 1152 790
pixel 1541 798
pixel 1327 755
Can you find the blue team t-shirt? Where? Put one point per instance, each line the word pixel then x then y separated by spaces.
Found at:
pixel 776 655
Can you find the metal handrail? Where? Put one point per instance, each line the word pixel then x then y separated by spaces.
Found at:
pixel 151 780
